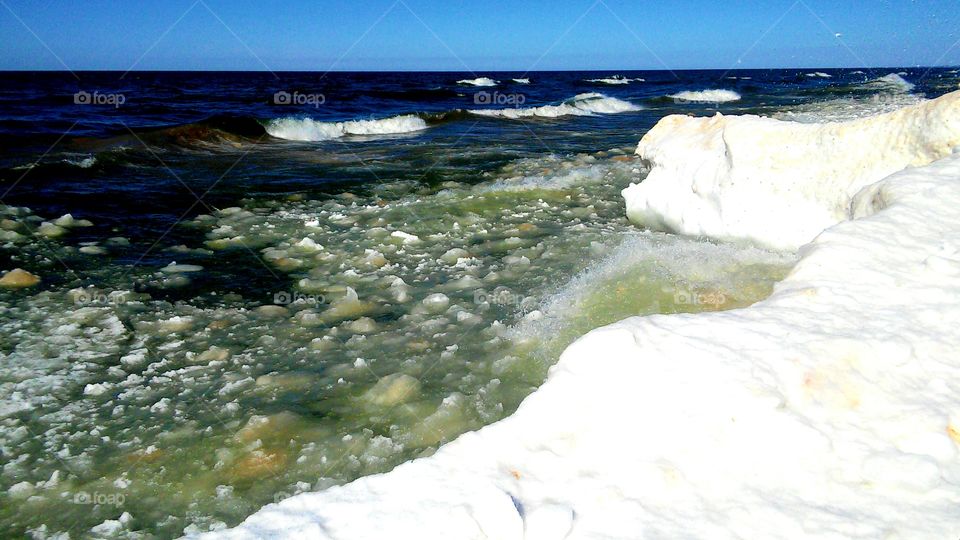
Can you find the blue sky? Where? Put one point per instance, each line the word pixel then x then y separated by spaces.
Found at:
pixel 476 35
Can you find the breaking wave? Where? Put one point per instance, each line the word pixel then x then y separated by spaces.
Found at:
pixel 581 105
pixel 707 96
pixel 479 81
pixel 307 129
pixel 615 79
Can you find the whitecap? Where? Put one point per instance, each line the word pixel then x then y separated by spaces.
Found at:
pixel 820 75
pixel 706 96
pixel 307 129
pixel 615 79
pixel 521 81
pixel 581 105
pixel 479 81
pixel 84 163
pixel 891 82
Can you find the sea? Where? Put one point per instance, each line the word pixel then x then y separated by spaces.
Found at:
pixel 253 285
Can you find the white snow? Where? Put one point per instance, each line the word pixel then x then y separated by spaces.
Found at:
pixel 778 183
pixel 829 410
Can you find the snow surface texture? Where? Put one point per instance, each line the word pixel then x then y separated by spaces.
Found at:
pixel 830 410
pixel 778 183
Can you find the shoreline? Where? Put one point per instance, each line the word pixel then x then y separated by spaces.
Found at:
pixel 824 410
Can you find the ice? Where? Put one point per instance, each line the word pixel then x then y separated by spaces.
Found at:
pixel 18 279
pixel 393 390
pixel 436 303
pixel 778 183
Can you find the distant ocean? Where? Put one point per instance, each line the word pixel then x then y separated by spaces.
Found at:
pixel 255 284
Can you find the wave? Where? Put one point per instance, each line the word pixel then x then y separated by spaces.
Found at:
pixel 707 96
pixel 581 105
pixel 892 82
pixel 479 81
pixel 819 75
pixel 84 163
pixel 521 81
pixel 615 79
pixel 218 131
pixel 307 129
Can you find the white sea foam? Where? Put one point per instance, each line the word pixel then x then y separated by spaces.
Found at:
pixel 521 81
pixel 892 82
pixel 615 79
pixel 479 81
pixel 307 129
pixel 706 96
pixel 720 176
pixel 84 163
pixel 892 93
pixel 819 75
pixel 837 390
pixel 581 105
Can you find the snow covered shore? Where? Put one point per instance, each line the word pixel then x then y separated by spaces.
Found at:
pixel 778 183
pixel 830 410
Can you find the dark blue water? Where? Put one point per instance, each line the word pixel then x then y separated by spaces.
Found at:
pixel 177 132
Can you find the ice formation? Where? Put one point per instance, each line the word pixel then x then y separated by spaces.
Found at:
pixel 778 183
pixel 829 410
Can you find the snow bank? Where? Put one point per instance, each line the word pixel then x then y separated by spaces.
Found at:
pixel 778 183
pixel 830 410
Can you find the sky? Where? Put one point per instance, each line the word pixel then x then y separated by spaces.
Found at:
pixel 475 35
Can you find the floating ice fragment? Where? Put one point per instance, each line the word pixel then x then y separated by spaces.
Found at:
pixel 308 244
pixel 436 302
pixel 174 268
pixel 406 237
pixel 393 390
pixel 18 279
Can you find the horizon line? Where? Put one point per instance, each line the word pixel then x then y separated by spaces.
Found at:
pixel 474 72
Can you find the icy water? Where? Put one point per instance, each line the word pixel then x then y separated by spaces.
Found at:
pixel 273 284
